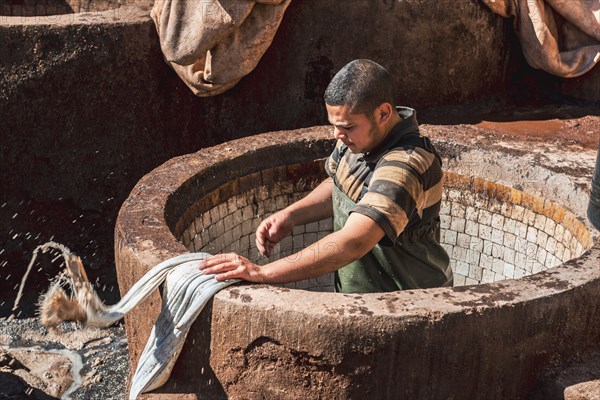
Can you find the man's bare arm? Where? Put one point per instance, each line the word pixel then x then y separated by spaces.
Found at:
pixel 358 236
pixel 314 207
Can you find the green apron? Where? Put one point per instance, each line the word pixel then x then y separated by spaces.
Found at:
pixel 416 260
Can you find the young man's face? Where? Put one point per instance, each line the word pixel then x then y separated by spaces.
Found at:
pixel 357 131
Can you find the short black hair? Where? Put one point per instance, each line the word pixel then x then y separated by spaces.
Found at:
pixel 362 85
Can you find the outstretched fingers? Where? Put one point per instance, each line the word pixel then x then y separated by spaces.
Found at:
pixel 233 274
pixel 220 263
pixel 231 265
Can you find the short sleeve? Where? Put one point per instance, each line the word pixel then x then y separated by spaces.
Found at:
pixel 333 160
pixel 395 190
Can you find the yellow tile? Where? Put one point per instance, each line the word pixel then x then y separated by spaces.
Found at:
pixel 538 205
pixel 559 214
pixel 515 196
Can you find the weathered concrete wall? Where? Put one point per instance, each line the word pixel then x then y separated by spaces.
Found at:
pixel 90 95
pixel 38 8
pixel 257 340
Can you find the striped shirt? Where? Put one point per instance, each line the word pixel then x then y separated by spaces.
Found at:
pixel 398 184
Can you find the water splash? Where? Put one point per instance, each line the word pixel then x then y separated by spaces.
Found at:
pixel 66 253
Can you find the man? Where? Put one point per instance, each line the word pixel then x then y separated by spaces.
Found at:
pixel 384 192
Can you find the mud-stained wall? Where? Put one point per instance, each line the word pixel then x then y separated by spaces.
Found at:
pixel 42 8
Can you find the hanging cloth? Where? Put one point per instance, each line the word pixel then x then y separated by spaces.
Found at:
pixel 561 37
pixel 212 44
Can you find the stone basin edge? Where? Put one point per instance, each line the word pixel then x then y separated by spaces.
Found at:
pixel 142 229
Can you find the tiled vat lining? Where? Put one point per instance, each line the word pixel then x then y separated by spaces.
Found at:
pixel 230 225
pixel 493 232
pixel 490 231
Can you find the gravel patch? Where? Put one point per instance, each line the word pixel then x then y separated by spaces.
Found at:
pixel 70 363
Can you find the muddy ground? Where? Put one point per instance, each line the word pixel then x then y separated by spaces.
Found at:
pixel 71 363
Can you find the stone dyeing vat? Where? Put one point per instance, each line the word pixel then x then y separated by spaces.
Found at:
pixel 280 342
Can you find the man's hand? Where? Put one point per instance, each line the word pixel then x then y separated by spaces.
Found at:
pixel 231 266
pixel 314 207
pixel 272 230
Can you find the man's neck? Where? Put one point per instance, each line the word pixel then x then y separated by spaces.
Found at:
pixel 400 124
pixel 388 128
pixel 394 120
